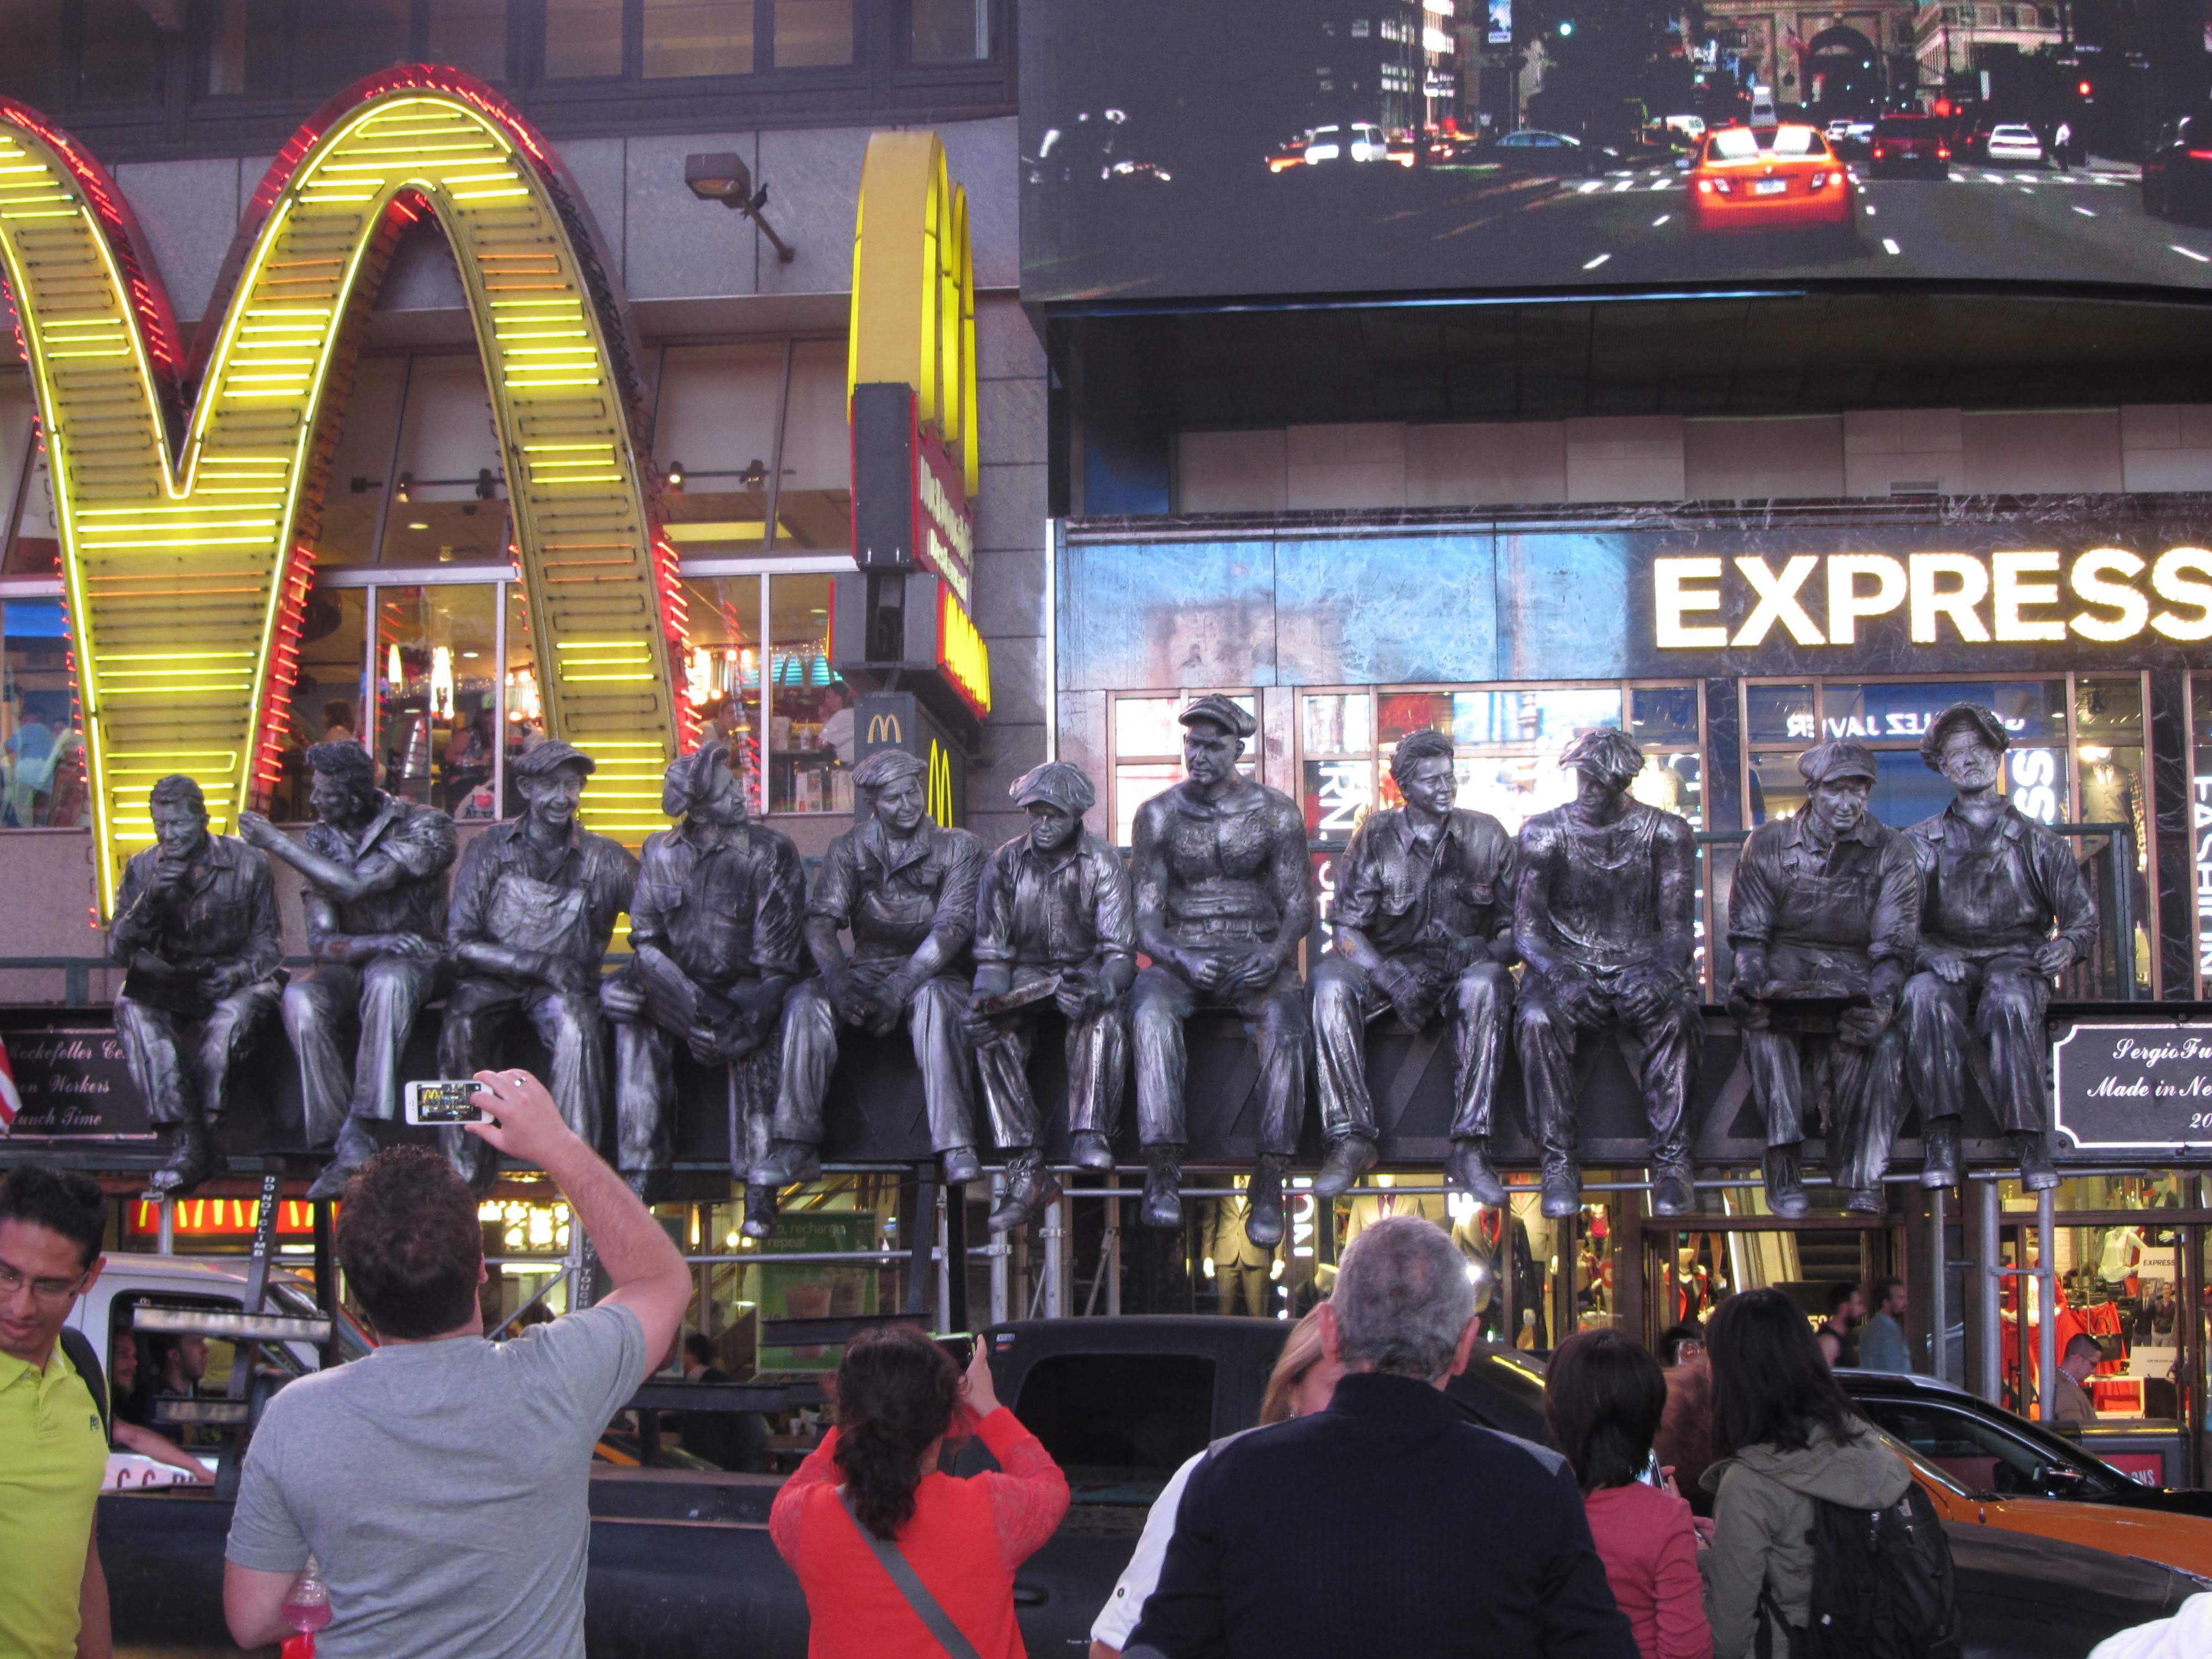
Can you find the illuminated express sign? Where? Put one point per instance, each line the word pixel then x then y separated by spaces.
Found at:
pixel 2018 597
pixel 186 564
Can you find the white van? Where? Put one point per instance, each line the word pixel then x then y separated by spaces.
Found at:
pixel 1762 107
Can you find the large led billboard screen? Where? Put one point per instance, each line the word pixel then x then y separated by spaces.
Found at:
pixel 1176 150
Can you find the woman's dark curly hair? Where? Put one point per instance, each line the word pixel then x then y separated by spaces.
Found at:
pixel 896 1392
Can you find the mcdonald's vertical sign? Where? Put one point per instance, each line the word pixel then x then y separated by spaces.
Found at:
pixel 187 485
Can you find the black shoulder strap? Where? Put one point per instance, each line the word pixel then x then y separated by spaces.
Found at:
pixel 909 1585
pixel 79 1349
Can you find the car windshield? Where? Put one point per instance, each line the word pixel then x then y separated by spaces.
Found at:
pixel 2012 134
pixel 1743 144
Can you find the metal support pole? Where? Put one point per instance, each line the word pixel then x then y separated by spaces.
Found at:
pixel 1052 1239
pixel 998 1262
pixel 1566 1240
pixel 326 1279
pixel 1939 1273
pixel 1110 1245
pixel 1988 1358
pixel 166 1240
pixel 2046 1295
pixel 920 1240
pixel 954 1281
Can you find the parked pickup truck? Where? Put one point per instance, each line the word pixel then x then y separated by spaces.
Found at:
pixel 681 1564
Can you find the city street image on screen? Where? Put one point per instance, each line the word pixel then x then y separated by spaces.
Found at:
pixel 1365 146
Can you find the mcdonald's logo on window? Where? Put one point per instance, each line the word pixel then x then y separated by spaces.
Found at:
pixel 186 566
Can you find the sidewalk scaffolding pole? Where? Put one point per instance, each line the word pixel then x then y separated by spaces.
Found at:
pixel 1988 1363
pixel 1939 1270
pixel 2046 1295
pixel 1001 1261
pixel 1053 1239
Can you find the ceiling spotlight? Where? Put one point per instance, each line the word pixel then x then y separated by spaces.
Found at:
pixel 676 476
pixel 406 486
pixel 755 475
pixel 724 177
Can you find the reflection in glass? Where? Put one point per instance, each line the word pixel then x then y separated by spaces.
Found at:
pixel 448 503
pixel 1135 783
pixel 1663 713
pixel 811 738
pixel 343 42
pixel 41 751
pixel 723 677
pixel 524 705
pixel 120 58
pixel 1338 794
pixel 354 497
pixel 583 39
pixel 437 686
pixel 813 33
pixel 1778 788
pixel 32 66
pixel 248 46
pixel 950 32
pixel 1779 713
pixel 469 34
pixel 325 705
pixel 698 36
pixel 1339 724
pixel 2030 709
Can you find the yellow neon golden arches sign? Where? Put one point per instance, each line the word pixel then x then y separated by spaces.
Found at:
pixel 913 288
pixel 184 528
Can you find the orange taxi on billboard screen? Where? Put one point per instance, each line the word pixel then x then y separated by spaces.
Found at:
pixel 1782 178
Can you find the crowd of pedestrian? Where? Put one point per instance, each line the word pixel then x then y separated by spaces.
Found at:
pixel 1687 1507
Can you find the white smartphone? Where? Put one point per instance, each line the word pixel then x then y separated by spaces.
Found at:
pixel 436 1105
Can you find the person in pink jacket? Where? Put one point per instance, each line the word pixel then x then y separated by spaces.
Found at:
pixel 1603 1397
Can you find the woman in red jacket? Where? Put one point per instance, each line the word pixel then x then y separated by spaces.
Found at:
pixel 898 1397
pixel 1603 1397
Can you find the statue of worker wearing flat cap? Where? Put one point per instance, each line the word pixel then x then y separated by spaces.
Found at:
pixel 1606 921
pixel 906 888
pixel 1826 906
pixel 534 907
pixel 1224 897
pixel 714 933
pixel 2004 908
pixel 196 931
pixel 375 903
pixel 1423 925
pixel 1053 912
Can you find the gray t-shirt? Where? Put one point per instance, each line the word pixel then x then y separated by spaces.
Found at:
pixel 444 1488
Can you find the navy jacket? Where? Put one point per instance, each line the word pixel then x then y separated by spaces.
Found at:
pixel 1389 1524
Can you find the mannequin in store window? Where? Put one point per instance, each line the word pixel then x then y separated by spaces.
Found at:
pixel 1224 897
pixel 906 888
pixel 1423 926
pixel 1606 921
pixel 1825 903
pixel 196 930
pixel 1054 905
pixel 535 903
pixel 2003 909
pixel 714 933
pixel 374 904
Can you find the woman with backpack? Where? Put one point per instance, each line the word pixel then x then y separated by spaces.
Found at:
pixel 1791 1453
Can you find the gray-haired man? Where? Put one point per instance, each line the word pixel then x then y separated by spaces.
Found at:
pixel 907 889
pixel 375 906
pixel 1406 1565
pixel 1606 921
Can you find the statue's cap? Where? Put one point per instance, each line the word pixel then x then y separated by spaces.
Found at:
pixel 687 776
pixel 1962 713
pixel 886 767
pixel 1825 763
pixel 1214 709
pixel 550 757
pixel 1056 783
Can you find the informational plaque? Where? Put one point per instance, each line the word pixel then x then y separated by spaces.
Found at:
pixel 69 1069
pixel 2122 1086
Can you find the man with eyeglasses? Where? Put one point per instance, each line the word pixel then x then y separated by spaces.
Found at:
pixel 53 1443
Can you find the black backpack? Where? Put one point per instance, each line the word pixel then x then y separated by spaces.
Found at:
pixel 1882 1587
pixel 79 1348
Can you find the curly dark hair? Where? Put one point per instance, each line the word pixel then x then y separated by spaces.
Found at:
pixel 410 1244
pixel 896 1392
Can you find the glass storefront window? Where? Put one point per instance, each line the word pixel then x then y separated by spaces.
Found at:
pixel 41 751
pixel 810 712
pixel 36 549
pixel 583 39
pixel 950 32
pixel 723 677
pixel 523 709
pixel 360 480
pixel 31 69
pixel 249 47
pixel 719 410
pixel 326 696
pixel 2076 757
pixel 697 37
pixel 2200 797
pixel 1148 751
pixel 120 59
pixel 437 680
pixel 341 44
pixel 813 33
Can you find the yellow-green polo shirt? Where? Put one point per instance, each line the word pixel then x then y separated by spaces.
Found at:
pixel 53 1457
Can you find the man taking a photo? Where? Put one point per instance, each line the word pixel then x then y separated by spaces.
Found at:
pixel 53 1444
pixel 442 1482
